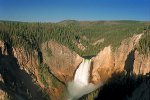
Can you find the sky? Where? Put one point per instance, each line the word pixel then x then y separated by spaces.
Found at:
pixel 58 10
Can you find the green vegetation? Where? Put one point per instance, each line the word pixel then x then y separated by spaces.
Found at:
pixel 31 35
pixel 144 43
pixel 91 96
pixel 43 73
pixel 46 77
pixel 49 52
pixel 48 80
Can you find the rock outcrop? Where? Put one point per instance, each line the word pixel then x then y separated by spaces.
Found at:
pixel 62 64
pixel 61 61
pixel 2 48
pixel 25 68
pixel 102 65
pixel 17 75
pixel 141 64
pixel 3 94
pixel 125 58
pixel 127 47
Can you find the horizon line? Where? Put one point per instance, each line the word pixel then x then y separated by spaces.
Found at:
pixel 74 20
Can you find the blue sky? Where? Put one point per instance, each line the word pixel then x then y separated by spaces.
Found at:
pixel 58 10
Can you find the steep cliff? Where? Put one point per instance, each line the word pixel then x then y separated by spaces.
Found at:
pixel 24 77
pixel 47 70
pixel 61 61
pixel 44 73
pixel 125 58
pixel 19 72
pixel 124 72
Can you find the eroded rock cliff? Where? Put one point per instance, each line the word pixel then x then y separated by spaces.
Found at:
pixel 25 77
pixel 125 58
pixel 50 68
pixel 61 61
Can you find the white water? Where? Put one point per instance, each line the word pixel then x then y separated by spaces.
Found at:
pixel 80 85
pixel 82 73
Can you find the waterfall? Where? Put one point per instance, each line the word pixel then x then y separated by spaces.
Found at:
pixel 80 85
pixel 83 72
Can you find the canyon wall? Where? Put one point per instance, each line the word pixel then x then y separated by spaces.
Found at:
pixel 125 58
pixel 61 64
pixel 61 61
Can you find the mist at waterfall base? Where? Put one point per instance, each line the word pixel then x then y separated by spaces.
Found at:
pixel 80 85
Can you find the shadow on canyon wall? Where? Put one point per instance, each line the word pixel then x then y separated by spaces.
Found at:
pixel 122 85
pixel 129 62
pixel 17 83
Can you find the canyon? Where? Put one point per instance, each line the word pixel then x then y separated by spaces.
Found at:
pixel 20 72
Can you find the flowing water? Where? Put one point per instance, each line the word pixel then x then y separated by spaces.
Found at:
pixel 80 85
pixel 83 72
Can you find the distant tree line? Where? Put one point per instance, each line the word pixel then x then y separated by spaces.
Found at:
pixel 30 36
